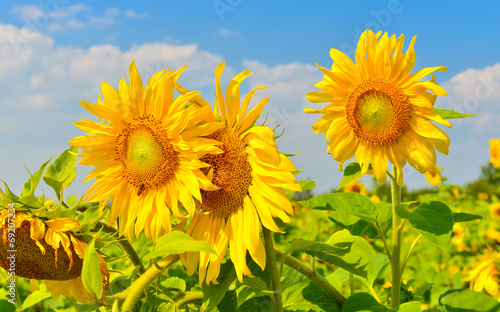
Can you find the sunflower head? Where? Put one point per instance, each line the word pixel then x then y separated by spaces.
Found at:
pixel 378 111
pixel 356 186
pixel 249 175
pixel 46 250
pixel 495 152
pixel 146 152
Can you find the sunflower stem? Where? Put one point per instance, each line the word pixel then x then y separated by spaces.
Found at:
pixel 396 240
pixel 124 244
pixel 316 278
pixel 137 288
pixel 273 268
pixel 182 298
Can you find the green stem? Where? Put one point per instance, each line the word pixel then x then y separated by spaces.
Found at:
pixel 124 244
pixel 351 283
pixel 182 298
pixel 137 288
pixel 273 269
pixel 409 252
pixel 396 240
pixel 316 278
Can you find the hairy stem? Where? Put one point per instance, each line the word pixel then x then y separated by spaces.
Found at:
pixel 182 298
pixel 316 278
pixel 396 240
pixel 273 269
pixel 137 288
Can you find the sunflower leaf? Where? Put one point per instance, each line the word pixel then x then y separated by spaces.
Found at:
pixel 174 283
pixel 451 114
pixel 351 172
pixel 35 297
pixel 464 217
pixel 458 300
pixel 349 252
pixel 214 293
pixel 306 185
pixel 91 271
pixel 177 242
pixel 434 220
pixel 62 171
pixel 28 197
pixel 252 287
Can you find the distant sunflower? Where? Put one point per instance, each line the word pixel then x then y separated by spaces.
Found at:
pixel 49 251
pixel 433 176
pixel 486 274
pixel 495 152
pixel 356 186
pixel 146 152
pixel 250 174
pixel 378 111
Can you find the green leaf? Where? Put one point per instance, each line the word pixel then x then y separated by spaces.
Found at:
pixel 300 294
pixel 351 172
pixel 354 212
pixel 252 287
pixel 32 183
pixel 376 266
pixel 62 171
pixel 306 185
pixel 362 302
pixel 177 242
pixel 214 293
pixel 91 271
pixel 464 217
pixel 174 283
pixel 434 220
pixel 349 252
pixel 413 306
pixel 35 297
pixel 451 114
pixel 467 301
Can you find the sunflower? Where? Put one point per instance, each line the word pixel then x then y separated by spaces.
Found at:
pixel 356 186
pixel 433 176
pixel 495 152
pixel 378 111
pixel 250 174
pixel 46 250
pixel 146 152
pixel 485 275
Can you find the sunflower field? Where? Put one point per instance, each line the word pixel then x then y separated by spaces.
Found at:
pixel 191 207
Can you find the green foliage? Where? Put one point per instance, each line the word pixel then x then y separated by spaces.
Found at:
pixel 62 171
pixel 91 272
pixel 177 242
pixel 434 220
pixel 451 114
pixel 467 301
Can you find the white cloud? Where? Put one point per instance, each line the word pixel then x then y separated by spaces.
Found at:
pixel 226 32
pixel 56 17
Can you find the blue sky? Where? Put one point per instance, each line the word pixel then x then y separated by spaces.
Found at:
pixel 56 52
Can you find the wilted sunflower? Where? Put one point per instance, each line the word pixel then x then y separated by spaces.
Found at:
pixel 146 152
pixel 378 111
pixel 495 152
pixel 251 175
pixel 46 250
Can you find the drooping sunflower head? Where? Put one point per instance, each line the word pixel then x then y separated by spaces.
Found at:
pixel 146 152
pixel 377 110
pixel 495 152
pixel 46 250
pixel 250 175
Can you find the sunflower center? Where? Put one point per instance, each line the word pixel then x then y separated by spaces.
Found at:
pixel 148 157
pixel 232 173
pixel 378 111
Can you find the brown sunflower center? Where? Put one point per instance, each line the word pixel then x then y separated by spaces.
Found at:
pixel 28 261
pixel 378 111
pixel 148 157
pixel 232 173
